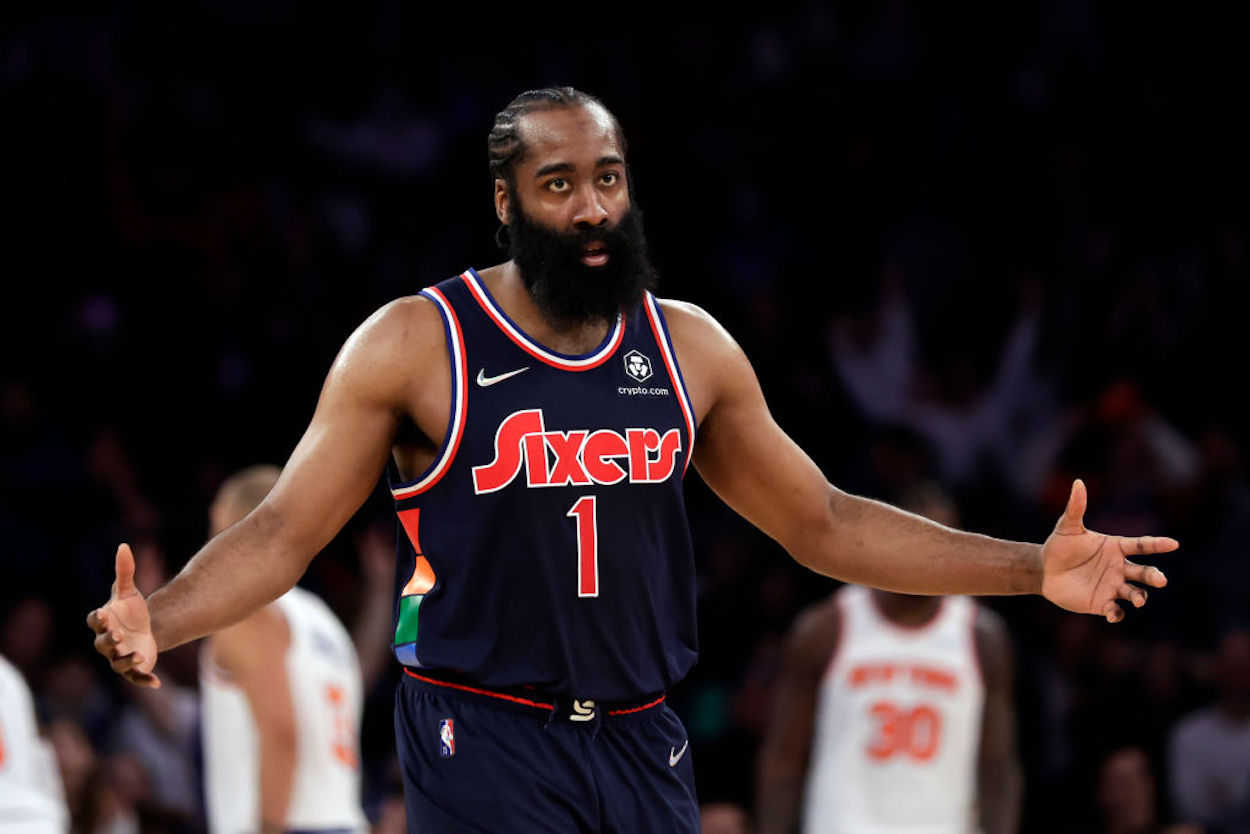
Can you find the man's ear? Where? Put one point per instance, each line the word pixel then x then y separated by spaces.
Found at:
pixel 503 202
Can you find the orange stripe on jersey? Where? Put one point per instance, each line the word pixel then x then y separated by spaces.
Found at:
pixel 422 579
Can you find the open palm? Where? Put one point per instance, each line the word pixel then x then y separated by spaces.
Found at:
pixel 1087 572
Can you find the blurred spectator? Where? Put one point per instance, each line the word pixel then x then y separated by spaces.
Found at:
pixel 974 428
pixel 391 137
pixel 1127 796
pixel 160 728
pixel 96 805
pixel 1209 763
pixel 1217 514
pixel 72 691
pixel 723 818
pixel 26 636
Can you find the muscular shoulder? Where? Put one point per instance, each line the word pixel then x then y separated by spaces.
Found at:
pixel 378 356
pixel 710 359
pixel 692 326
pixel 409 323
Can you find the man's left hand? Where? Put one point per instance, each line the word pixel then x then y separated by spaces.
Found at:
pixel 1087 572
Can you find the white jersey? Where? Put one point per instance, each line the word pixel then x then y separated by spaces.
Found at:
pixel 324 676
pixel 898 724
pixel 31 798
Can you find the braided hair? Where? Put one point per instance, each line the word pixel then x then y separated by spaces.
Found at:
pixel 504 145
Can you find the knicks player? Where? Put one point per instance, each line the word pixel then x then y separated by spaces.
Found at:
pixel 893 714
pixel 31 798
pixel 536 419
pixel 281 696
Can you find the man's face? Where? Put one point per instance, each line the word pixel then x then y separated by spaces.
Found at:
pixel 572 229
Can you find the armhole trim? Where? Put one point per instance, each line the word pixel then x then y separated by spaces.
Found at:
pixel 659 328
pixel 459 401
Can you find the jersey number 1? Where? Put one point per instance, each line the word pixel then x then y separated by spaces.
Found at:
pixel 586 513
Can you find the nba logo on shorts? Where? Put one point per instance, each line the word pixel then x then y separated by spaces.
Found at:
pixel 447 738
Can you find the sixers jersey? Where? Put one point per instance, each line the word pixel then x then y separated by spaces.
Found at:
pixel 547 545
pixel 898 724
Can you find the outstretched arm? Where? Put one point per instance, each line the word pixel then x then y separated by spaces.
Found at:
pixel 373 383
pixel 747 459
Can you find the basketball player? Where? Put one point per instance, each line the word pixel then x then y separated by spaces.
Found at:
pixel 892 714
pixel 31 798
pixel 281 697
pixel 536 419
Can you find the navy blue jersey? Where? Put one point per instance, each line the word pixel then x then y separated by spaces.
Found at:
pixel 547 545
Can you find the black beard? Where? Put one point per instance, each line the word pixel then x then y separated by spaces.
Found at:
pixel 567 291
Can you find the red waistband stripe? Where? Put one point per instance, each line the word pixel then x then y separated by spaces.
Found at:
pixel 516 699
pixel 638 708
pixel 477 691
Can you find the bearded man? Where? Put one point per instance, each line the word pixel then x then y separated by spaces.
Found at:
pixel 536 419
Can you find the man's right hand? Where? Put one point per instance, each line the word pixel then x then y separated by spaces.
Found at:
pixel 124 629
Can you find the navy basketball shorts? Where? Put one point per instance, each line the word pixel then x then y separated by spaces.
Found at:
pixel 493 761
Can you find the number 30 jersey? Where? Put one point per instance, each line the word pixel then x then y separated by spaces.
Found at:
pixel 547 544
pixel 898 724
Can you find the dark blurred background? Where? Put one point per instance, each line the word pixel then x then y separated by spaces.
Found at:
pixel 996 246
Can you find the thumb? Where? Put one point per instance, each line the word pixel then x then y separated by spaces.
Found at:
pixel 1073 519
pixel 125 569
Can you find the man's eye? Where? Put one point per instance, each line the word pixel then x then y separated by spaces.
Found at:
pixel 558 184
pixel 610 178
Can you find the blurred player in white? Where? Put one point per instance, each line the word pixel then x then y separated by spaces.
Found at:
pixel 893 714
pixel 282 704
pixel 31 798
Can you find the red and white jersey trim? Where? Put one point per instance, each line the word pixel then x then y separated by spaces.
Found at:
pixel 459 390
pixel 534 349
pixel 674 373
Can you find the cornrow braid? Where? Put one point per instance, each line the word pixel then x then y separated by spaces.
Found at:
pixel 504 145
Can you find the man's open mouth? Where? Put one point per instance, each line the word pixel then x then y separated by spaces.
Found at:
pixel 595 254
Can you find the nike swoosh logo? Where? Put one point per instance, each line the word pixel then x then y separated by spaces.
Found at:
pixel 674 756
pixel 487 381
